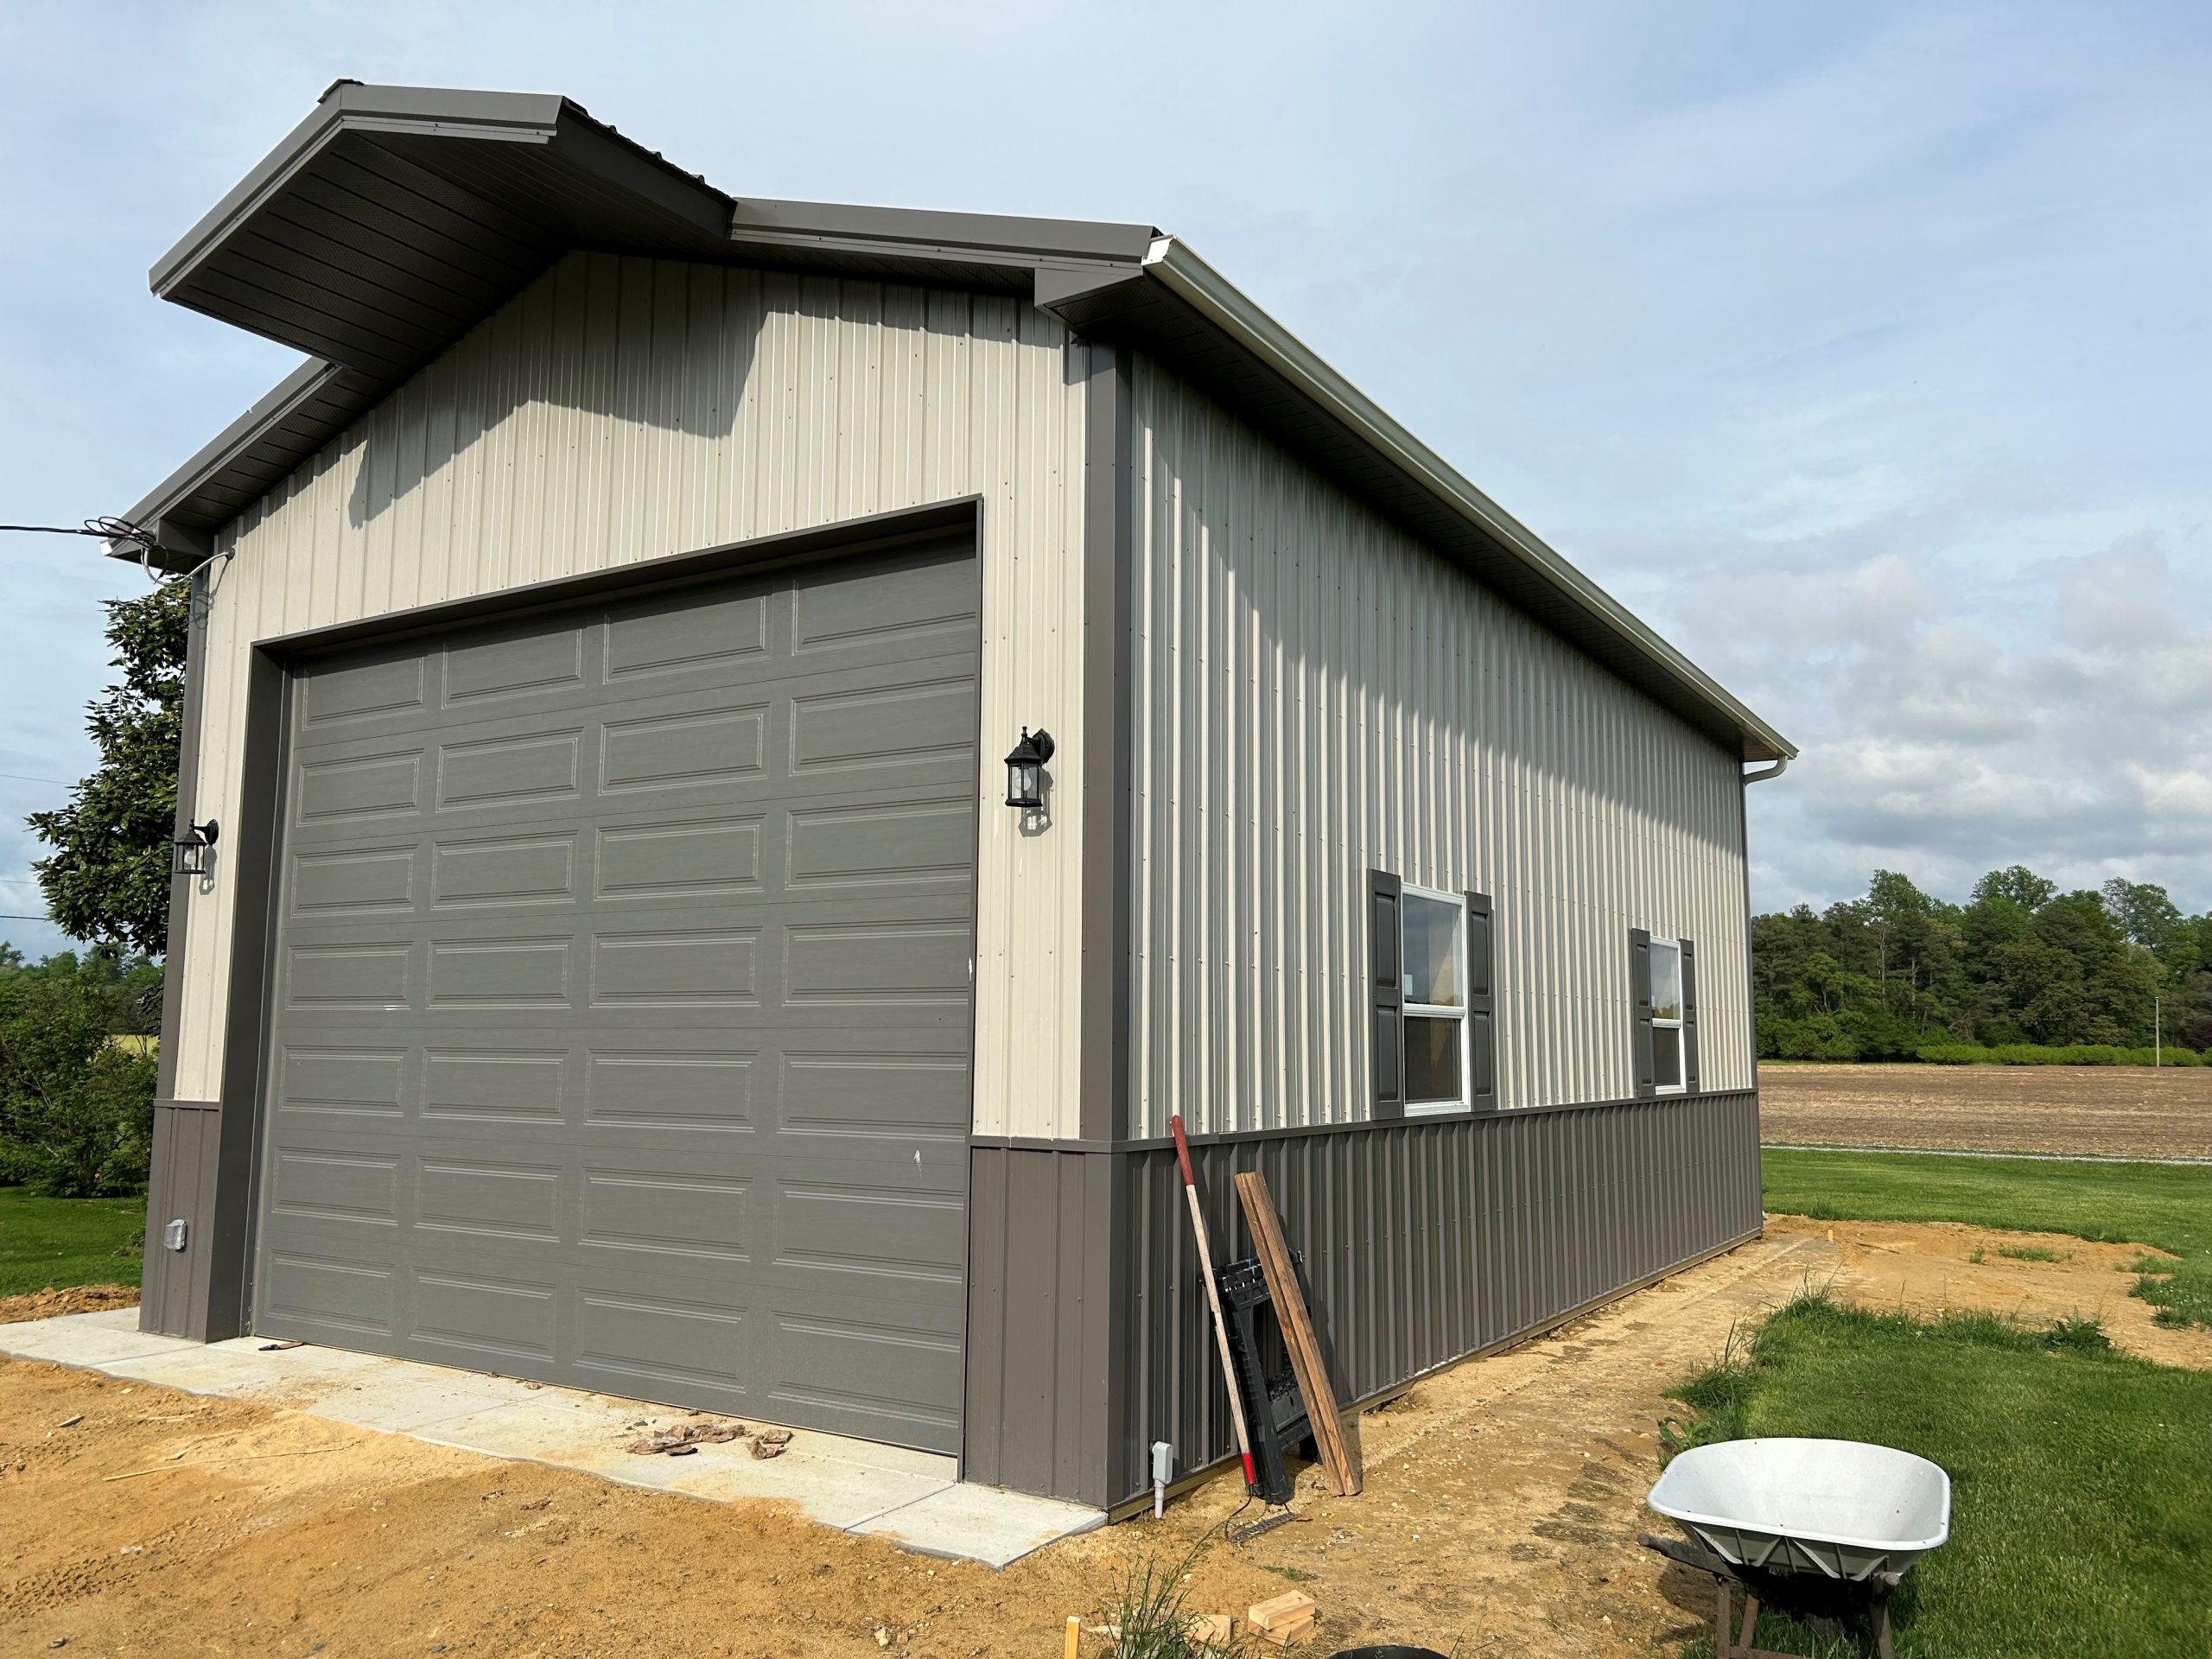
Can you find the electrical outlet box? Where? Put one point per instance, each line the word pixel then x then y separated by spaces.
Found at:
pixel 175 1234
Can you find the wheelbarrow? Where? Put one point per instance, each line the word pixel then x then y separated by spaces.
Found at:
pixel 1757 1511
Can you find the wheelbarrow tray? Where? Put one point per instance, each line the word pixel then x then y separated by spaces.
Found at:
pixel 1840 1509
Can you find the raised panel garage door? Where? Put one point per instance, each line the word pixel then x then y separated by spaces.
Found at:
pixel 620 1028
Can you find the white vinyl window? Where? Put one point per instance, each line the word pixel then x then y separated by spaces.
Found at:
pixel 1666 1016
pixel 1433 931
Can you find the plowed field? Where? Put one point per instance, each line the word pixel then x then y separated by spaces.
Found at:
pixel 2119 1111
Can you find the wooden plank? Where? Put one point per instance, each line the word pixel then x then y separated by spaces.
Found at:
pixel 1298 1334
pixel 1292 1607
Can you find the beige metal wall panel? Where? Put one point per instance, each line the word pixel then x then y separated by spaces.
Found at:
pixel 623 409
pixel 1317 695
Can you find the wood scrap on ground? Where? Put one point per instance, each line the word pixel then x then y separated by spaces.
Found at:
pixel 1283 1619
pixel 1215 1630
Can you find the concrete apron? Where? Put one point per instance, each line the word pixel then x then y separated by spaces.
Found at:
pixel 911 1498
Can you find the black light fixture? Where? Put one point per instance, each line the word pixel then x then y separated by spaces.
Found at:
pixel 189 852
pixel 1025 770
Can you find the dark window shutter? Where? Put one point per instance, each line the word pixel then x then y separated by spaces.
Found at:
pixel 1689 1018
pixel 1639 983
pixel 1482 1006
pixel 1387 993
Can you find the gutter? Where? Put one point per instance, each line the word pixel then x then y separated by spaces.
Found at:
pixel 1780 765
pixel 1185 274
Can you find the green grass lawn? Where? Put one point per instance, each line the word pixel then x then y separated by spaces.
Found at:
pixel 2167 1205
pixel 65 1241
pixel 2081 1477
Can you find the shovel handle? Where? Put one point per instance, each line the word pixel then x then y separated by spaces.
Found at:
pixel 1182 1149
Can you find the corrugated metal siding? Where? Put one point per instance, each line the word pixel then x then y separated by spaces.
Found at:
pixel 173 1296
pixel 1039 1283
pixel 1424 1241
pixel 622 409
pixel 1317 694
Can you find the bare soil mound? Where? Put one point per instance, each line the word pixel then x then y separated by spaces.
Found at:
pixel 80 1299
pixel 2040 1278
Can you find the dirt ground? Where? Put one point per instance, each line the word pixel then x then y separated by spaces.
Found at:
pixel 1936 1266
pixel 1502 1503
pixel 51 1304
pixel 2129 1111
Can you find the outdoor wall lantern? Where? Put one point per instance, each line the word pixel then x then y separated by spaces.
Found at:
pixel 188 852
pixel 1024 771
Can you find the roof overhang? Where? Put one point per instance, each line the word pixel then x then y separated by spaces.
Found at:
pixel 393 219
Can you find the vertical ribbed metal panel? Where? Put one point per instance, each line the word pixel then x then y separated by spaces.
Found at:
pixel 623 409
pixel 1424 1241
pixel 1037 1411
pixel 1317 695
pixel 173 1297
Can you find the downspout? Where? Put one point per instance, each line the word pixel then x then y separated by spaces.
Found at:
pixel 1751 978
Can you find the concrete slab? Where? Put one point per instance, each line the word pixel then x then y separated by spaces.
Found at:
pixel 404 1398
pixel 913 1498
pixel 592 1434
pixel 555 1430
pixel 81 1339
pixel 241 1371
pixel 828 1489
pixel 981 1523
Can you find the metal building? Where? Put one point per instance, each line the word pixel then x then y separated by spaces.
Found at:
pixel 616 963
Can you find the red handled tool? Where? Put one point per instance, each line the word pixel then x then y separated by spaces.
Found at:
pixel 1213 1300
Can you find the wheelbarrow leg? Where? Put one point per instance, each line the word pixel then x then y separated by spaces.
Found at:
pixel 1722 1648
pixel 1882 1625
pixel 1751 1620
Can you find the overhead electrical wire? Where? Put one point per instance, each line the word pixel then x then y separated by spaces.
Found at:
pixel 108 529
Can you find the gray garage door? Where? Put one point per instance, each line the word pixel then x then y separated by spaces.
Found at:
pixel 621 1033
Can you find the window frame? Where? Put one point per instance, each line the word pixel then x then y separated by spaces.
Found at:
pixel 1681 1083
pixel 1409 1010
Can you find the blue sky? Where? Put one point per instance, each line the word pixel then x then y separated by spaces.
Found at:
pixel 1866 350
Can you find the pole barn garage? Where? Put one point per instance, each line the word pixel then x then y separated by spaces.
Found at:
pixel 615 957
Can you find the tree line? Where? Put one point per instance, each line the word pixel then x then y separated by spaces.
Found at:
pixel 1885 975
pixel 78 1059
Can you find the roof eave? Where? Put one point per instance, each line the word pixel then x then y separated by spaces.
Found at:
pixel 520 118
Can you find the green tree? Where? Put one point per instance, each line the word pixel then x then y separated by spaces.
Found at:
pixel 108 878
pixel 76 1102
pixel 2116 984
pixel 2144 913
pixel 2018 883
pixel 1879 976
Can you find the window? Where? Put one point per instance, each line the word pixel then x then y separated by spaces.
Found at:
pixel 1433 929
pixel 1430 1007
pixel 1667 1069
